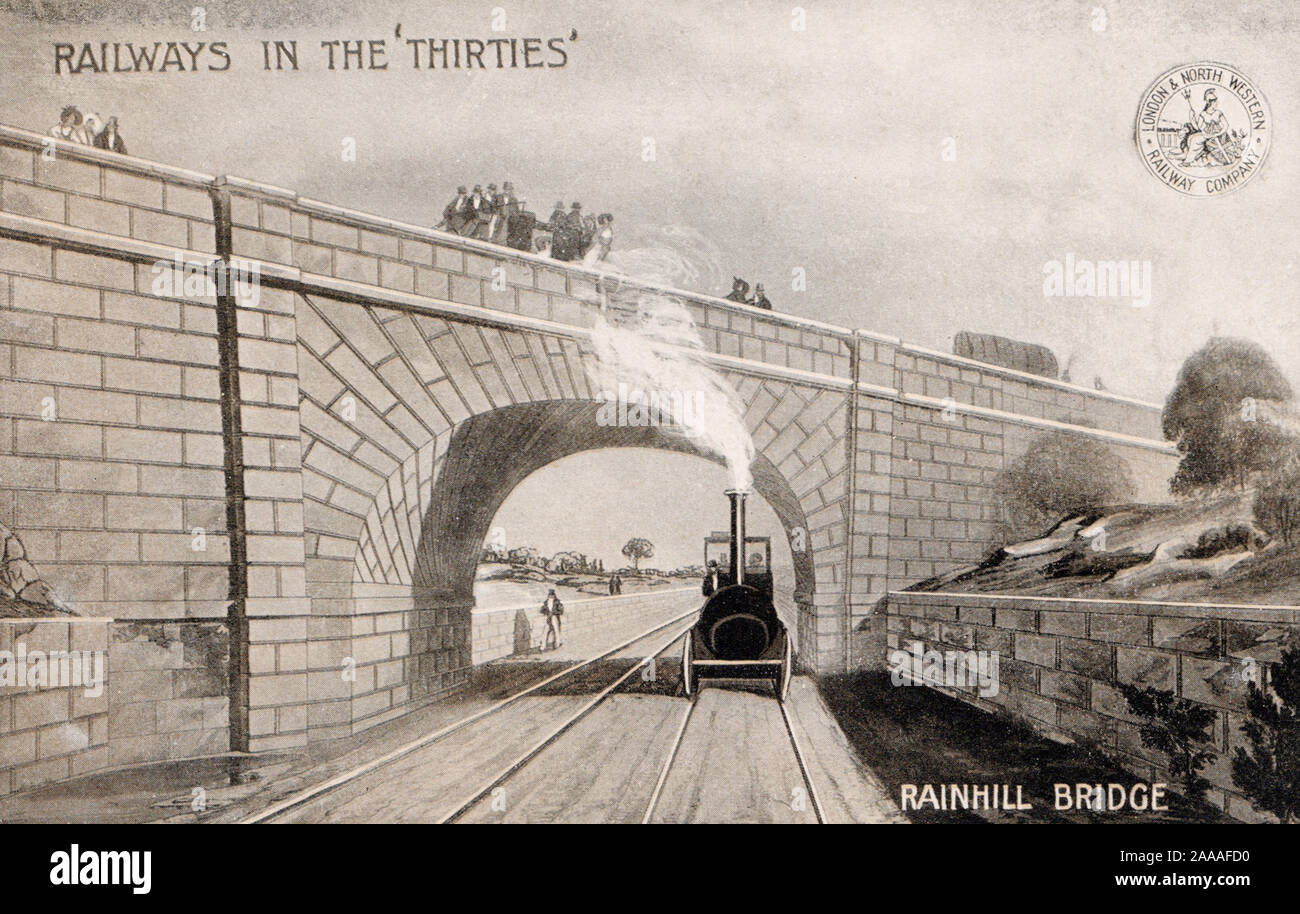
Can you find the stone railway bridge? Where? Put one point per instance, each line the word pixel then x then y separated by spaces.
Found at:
pixel 344 438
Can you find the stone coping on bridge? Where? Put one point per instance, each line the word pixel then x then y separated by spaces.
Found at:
pixel 277 274
pixel 288 273
pixel 10 135
pixel 1163 447
pixel 16 136
pixel 1027 377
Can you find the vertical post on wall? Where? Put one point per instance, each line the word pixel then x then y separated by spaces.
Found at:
pixel 851 442
pixel 233 451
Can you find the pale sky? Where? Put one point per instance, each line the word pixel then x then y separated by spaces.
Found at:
pixel 777 149
pixel 596 501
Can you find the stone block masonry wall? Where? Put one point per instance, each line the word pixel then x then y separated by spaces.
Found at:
pixel 276 226
pixel 109 194
pixel 110 441
pixel 163 697
pixel 600 620
pixel 110 434
pixel 933 434
pixel 50 734
pixel 1060 661
pixel 265 466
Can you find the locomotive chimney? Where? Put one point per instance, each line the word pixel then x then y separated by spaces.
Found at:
pixel 737 497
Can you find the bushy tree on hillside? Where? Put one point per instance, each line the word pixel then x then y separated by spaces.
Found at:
pixel 1060 474
pixel 1277 501
pixel 1212 415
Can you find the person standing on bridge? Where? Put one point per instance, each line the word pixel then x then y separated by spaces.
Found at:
pixel 553 610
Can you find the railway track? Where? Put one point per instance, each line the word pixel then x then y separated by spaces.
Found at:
pixel 283 807
pixel 661 639
pixel 675 749
pixel 558 731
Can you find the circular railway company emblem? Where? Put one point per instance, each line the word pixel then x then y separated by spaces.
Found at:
pixel 1203 129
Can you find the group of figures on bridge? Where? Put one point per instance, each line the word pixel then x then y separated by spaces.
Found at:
pixel 88 130
pixel 501 217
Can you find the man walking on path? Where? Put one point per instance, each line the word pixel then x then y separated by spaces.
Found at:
pixel 553 610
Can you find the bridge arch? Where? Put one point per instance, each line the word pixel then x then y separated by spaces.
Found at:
pixel 484 459
pixel 398 410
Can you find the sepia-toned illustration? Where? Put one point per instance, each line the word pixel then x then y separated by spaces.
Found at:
pixel 873 413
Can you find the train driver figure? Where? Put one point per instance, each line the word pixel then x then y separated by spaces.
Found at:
pixel 711 578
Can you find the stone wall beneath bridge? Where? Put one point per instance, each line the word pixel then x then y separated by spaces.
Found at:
pixel 164 696
pixel 1060 661
pixel 599 620
pixel 279 463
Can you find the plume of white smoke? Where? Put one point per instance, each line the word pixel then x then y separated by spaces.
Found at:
pixel 654 352
pixel 654 362
pixel 675 256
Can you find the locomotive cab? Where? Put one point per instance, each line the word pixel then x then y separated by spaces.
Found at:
pixel 738 635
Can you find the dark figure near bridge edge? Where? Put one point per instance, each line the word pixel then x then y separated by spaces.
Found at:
pixel 615 584
pixel 739 290
pixel 456 215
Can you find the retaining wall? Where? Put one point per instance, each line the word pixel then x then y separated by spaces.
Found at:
pixel 1060 661
pixel 163 697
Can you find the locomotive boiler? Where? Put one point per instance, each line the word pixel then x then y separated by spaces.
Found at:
pixel 738 634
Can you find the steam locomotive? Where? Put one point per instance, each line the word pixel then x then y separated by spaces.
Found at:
pixel 738 635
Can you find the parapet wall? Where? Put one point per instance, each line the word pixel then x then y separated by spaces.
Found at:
pixel 1061 660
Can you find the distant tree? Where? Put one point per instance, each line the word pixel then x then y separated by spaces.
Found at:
pixel 1277 501
pixel 524 555
pixel 1211 415
pixel 1058 475
pixel 637 549
pixel 1269 773
pixel 1177 727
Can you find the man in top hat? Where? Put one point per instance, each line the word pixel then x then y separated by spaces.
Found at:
pixel 760 300
pixel 486 212
pixel 456 213
pixel 477 208
pixel 506 205
pixel 109 138
pixel 573 233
